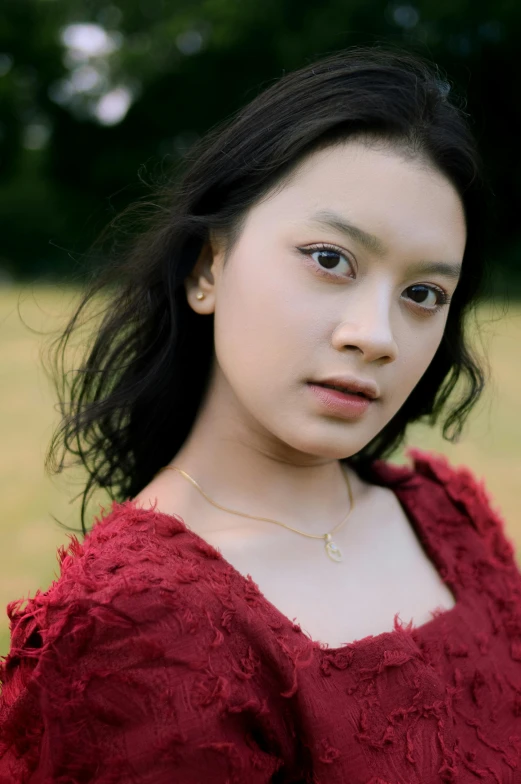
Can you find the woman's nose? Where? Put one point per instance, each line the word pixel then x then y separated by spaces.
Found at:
pixel 367 328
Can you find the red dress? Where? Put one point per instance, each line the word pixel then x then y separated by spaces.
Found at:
pixel 152 660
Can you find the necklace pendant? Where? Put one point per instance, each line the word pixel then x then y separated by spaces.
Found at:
pixel 332 549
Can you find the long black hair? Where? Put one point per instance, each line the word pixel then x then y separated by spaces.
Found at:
pixel 132 402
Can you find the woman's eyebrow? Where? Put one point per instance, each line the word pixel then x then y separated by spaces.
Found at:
pixel 438 268
pixel 334 220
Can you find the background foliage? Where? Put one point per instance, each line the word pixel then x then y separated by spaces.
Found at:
pixel 97 96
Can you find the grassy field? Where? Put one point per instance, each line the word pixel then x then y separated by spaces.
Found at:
pixel 29 500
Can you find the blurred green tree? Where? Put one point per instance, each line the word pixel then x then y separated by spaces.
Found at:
pixel 97 95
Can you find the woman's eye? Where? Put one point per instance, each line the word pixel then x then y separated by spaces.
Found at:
pixel 429 297
pixel 329 259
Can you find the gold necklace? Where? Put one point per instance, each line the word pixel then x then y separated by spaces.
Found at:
pixel 332 549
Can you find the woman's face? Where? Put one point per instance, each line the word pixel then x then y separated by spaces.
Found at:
pixel 302 298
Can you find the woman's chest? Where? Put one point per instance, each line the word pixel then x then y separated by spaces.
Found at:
pixel 384 570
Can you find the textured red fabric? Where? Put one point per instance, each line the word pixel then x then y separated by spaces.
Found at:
pixel 152 660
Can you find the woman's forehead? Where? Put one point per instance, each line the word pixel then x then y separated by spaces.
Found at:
pixel 384 200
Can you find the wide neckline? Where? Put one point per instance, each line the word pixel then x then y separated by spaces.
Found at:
pixel 386 475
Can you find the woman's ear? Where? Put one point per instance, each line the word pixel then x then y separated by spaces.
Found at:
pixel 200 284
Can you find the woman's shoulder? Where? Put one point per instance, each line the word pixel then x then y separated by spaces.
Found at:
pixel 448 490
pixel 133 581
pixel 132 640
pixel 467 490
pixel 133 566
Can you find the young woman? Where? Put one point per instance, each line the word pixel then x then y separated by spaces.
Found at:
pixel 268 599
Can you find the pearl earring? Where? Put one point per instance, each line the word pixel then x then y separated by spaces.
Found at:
pixel 200 295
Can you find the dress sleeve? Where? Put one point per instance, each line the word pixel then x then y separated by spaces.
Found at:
pixel 471 496
pixel 127 683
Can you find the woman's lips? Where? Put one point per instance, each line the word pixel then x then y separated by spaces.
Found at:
pixel 343 404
